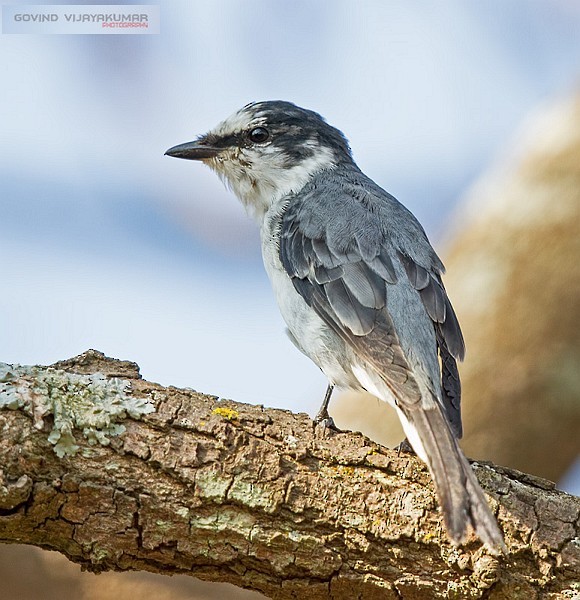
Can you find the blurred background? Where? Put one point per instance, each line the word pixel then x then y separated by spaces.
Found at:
pixel 468 112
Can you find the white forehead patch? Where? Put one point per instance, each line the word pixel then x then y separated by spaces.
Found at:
pixel 242 119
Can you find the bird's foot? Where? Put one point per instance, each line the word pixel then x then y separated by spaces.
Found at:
pixel 324 420
pixel 404 446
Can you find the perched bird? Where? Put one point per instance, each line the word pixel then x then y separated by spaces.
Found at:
pixel 357 282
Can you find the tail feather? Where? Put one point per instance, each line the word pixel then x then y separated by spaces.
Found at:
pixel 461 498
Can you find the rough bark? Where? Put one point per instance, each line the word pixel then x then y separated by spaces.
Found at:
pixel 264 499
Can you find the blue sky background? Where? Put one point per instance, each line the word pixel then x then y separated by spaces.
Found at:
pixel 107 244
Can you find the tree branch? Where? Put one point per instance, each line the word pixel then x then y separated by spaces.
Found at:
pixel 256 497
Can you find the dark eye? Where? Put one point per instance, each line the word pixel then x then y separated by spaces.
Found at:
pixel 259 135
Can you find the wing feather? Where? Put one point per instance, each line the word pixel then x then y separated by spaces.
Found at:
pixel 433 297
pixel 366 286
pixel 323 274
pixel 451 332
pixel 383 266
pixel 359 319
pixel 418 276
pixel 437 305
pixel 323 255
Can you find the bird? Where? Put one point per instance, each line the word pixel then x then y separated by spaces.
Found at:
pixel 358 284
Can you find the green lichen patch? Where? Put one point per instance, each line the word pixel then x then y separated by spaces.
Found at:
pixel 92 404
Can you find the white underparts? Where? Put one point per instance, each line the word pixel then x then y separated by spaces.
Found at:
pixel 373 384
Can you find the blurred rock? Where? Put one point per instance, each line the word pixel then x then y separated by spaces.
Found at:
pixel 514 277
pixel 363 412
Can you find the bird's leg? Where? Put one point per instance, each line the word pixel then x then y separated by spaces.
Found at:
pixel 322 413
pixel 322 417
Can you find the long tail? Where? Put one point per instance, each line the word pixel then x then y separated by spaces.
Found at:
pixel 460 495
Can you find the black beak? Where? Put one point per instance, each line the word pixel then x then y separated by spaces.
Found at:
pixel 193 151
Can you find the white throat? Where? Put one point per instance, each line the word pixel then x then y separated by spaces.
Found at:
pixel 260 183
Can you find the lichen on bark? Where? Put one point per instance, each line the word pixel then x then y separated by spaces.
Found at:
pixel 90 403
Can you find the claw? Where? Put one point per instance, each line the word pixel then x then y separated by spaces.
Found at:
pixel 326 422
pixel 405 446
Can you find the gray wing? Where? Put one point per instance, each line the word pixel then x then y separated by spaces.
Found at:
pixel 448 334
pixel 341 263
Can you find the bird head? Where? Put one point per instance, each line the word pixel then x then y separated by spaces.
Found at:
pixel 268 150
